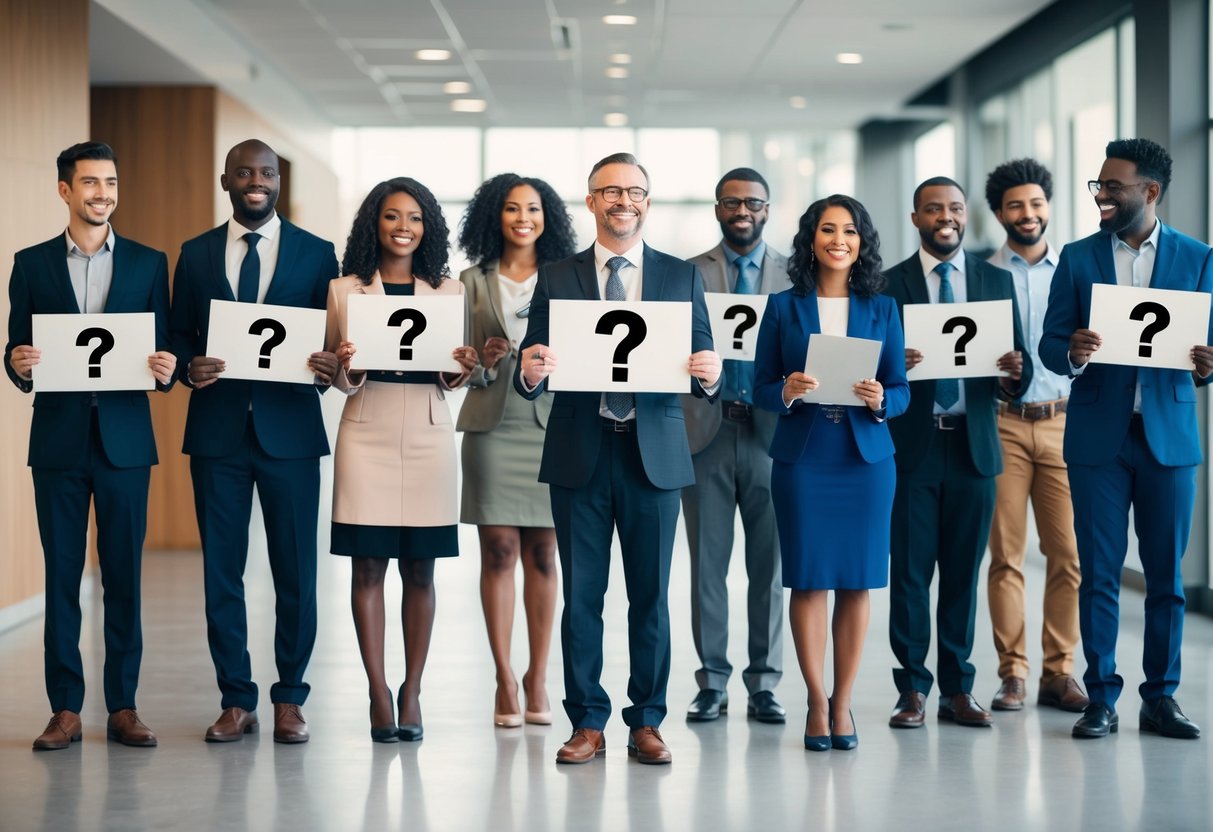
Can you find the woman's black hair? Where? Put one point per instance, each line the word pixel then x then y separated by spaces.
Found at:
pixel 480 234
pixel 362 248
pixel 867 279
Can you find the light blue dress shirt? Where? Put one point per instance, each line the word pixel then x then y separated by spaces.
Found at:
pixel 1032 282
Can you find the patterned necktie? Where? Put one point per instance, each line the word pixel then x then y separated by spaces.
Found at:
pixel 947 390
pixel 620 404
pixel 250 271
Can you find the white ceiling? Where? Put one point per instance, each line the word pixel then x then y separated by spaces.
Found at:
pixel 695 63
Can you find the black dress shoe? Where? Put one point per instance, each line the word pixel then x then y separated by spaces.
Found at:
pixel 707 705
pixel 1098 720
pixel 765 708
pixel 1162 716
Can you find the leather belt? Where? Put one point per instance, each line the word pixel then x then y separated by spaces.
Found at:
pixel 948 421
pixel 1035 411
pixel 616 426
pixel 736 411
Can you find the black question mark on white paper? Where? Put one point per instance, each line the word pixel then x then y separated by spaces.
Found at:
pixel 970 329
pixel 106 339
pixel 277 336
pixel 1162 319
pixel 410 334
pixel 749 317
pixel 637 330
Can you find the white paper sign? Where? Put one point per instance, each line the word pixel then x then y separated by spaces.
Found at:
pixel 94 352
pixel 402 332
pixel 263 342
pixel 1148 327
pixel 735 320
pixel 635 346
pixel 838 363
pixel 959 340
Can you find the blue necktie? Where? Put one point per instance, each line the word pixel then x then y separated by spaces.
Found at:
pixel 250 271
pixel 620 404
pixel 739 375
pixel 947 390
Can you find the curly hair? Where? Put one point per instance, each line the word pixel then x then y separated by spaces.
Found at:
pixel 1014 173
pixel 1152 160
pixel 362 247
pixel 480 234
pixel 866 278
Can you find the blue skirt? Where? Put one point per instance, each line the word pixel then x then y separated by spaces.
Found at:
pixel 832 508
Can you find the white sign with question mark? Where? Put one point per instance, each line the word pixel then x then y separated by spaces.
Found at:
pixel 105 351
pixel 735 320
pixel 636 346
pixel 959 340
pixel 1148 327
pixel 405 332
pixel 264 342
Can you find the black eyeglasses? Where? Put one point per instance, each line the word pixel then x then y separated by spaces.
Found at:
pixel 1111 186
pixel 612 193
pixel 732 203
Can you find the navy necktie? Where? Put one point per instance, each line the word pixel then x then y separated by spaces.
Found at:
pixel 250 271
pixel 947 390
pixel 620 404
pixel 739 375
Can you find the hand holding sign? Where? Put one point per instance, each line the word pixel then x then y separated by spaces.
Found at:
pixel 959 340
pixel 735 323
pixel 107 351
pixel 619 346
pixel 260 342
pixel 1143 327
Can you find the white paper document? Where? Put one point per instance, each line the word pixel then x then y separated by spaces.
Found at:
pixel 735 320
pixel 839 363
pixel 105 351
pixel 263 342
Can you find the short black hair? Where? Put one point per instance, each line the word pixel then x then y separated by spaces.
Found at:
pixel 480 234
pixel 934 181
pixel 867 279
pixel 617 159
pixel 362 248
pixel 66 163
pixel 1014 173
pixel 1152 159
pixel 742 175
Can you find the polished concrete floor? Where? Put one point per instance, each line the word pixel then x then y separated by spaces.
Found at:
pixel 1025 773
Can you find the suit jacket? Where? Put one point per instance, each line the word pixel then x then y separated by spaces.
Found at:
pixel 783 338
pixel 703 418
pixel 1101 398
pixel 914 433
pixel 286 417
pixel 574 434
pixel 40 284
pixel 485 403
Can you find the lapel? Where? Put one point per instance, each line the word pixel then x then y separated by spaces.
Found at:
pixel 1105 261
pixel 288 251
pixel 804 312
pixel 861 318
pixel 55 252
pixel 1168 245
pixel 770 264
pixel 583 267
pixel 216 250
pixel 974 285
pixel 716 278
pixel 120 282
pixel 493 289
pixel 652 285
pixel 916 281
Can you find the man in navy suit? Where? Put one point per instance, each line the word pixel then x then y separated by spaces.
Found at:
pixel 84 446
pixel 1132 436
pixel 948 455
pixel 616 461
pixel 242 433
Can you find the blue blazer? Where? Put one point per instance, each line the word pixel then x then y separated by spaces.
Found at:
pixel 574 433
pixel 286 417
pixel 59 433
pixel 1101 399
pixel 787 325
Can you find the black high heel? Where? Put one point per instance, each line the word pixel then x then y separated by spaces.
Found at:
pixel 383 733
pixel 407 731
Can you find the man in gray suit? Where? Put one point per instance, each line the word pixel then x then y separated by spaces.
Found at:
pixel 732 470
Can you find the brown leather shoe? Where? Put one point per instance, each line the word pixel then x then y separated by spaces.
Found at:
pixel 910 710
pixel 232 725
pixel 289 724
pixel 1010 696
pixel 126 727
pixel 647 746
pixel 583 746
pixel 963 709
pixel 63 730
pixel 1062 692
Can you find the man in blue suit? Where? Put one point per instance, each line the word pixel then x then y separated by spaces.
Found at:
pixel 84 446
pixel 616 461
pixel 242 433
pixel 1131 438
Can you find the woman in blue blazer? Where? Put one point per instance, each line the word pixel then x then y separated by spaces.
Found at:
pixel 833 475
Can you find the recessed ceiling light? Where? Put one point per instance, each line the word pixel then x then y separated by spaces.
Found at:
pixel 620 58
pixel 806 167
pixel 615 119
pixel 798 102
pixel 469 105
pixel 849 58
pixel 456 87
pixel 432 54
pixel 616 72
pixel 771 150
pixel 619 19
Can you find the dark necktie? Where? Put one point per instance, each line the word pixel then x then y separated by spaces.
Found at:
pixel 620 404
pixel 739 375
pixel 947 390
pixel 250 271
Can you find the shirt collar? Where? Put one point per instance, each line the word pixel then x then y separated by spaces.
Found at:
pixel 930 261
pixel 1006 254
pixel 72 248
pixel 602 254
pixel 269 231
pixel 1152 240
pixel 755 256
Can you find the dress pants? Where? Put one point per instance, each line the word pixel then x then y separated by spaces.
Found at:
pixel 1162 498
pixel 61 497
pixel 941 517
pixel 734 471
pixel 289 492
pixel 617 496
pixel 1033 467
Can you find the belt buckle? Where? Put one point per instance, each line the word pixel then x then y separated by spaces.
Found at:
pixel 945 421
pixel 737 412
pixel 618 426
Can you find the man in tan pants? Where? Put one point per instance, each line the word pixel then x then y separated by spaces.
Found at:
pixel 1031 430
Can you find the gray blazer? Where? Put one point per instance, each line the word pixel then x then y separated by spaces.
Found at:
pixel 487 389
pixel 703 419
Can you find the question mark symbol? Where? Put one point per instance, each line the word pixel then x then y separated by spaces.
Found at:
pixel 106 343
pixel 637 330
pixel 277 336
pixel 410 334
pixel 970 329
pixel 749 318
pixel 1161 320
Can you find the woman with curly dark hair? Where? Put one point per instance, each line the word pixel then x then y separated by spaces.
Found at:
pixel 833 474
pixel 394 481
pixel 513 226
